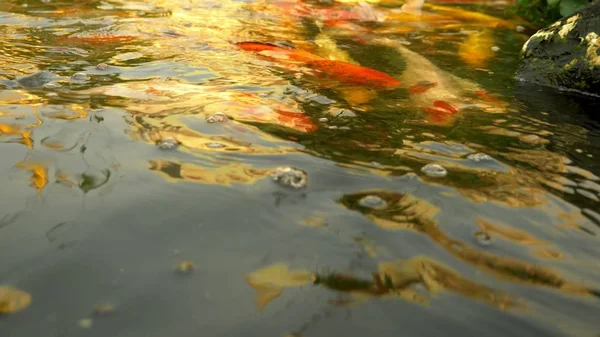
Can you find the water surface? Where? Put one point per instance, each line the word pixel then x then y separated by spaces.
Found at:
pixel 111 176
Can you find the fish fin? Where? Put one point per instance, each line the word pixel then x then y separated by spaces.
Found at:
pixel 412 7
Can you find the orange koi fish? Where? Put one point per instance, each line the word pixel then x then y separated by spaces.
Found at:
pixel 249 111
pixel 338 70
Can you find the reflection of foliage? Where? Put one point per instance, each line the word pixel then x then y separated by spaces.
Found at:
pixel 89 182
pixel 394 279
pixel 406 212
pixel 544 12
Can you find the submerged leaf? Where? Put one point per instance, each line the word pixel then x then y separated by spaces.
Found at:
pixel 13 300
pixel 476 50
pixel 270 281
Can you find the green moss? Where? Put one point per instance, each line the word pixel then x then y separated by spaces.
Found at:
pixel 544 12
pixel 570 65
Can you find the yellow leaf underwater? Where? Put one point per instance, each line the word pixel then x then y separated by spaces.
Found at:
pixel 39 174
pixel 476 50
pixel 13 300
pixel 270 281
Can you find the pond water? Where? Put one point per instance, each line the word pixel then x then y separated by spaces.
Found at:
pixel 159 178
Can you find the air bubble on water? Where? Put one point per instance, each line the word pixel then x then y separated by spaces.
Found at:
pixel 79 77
pixel 218 117
pixel 52 85
pixel 85 323
pixel 333 127
pixel 344 128
pixel 434 170
pixel 373 202
pixel 168 144
pixel 579 150
pixel 477 157
pixel 495 48
pixel 185 268
pixel 215 145
pixel 104 309
pixel 102 66
pixel 483 238
pixel 290 177
pixel 51 94
pixel 323 120
pixel 520 29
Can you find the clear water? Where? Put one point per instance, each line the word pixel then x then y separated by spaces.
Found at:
pixel 111 179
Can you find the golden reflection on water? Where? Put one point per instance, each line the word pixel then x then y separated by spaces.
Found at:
pixel 225 175
pixel 393 280
pixel 269 103
pixel 408 212
pixel 39 174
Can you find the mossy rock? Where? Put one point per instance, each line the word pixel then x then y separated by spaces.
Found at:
pixel 565 54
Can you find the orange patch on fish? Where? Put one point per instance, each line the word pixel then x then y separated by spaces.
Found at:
pixel 354 74
pixel 484 96
pixel 333 69
pixel 441 111
pixel 297 120
pixel 276 52
pixel 421 87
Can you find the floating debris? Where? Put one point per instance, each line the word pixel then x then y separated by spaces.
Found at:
pixel 80 77
pixel 520 29
pixel 168 144
pixel 483 238
pixel 373 202
pixel 495 49
pixel 104 309
pixel 434 170
pixel 13 300
pixel 218 117
pixel 102 66
pixel 185 267
pixel 85 323
pixel 477 157
pixel 291 177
